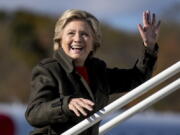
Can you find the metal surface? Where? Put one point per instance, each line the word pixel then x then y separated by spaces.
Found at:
pixel 140 106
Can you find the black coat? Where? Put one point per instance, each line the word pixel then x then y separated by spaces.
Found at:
pixel 55 81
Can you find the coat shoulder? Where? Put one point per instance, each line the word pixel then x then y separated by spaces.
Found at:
pixel 48 64
pixel 47 61
pixel 45 64
pixel 98 62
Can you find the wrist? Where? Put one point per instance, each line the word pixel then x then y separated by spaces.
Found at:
pixel 148 43
pixel 152 50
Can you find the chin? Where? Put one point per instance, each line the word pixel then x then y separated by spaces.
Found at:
pixel 75 57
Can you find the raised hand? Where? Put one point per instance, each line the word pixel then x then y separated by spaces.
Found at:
pixel 150 30
pixel 80 106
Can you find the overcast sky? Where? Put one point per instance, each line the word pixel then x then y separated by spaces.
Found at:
pixel 124 14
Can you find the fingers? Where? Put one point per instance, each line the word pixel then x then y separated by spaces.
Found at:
pixel 150 21
pixel 158 26
pixel 153 19
pixel 79 109
pixel 80 105
pixel 87 101
pixel 87 104
pixel 149 31
pixel 145 22
pixel 73 108
pixel 148 18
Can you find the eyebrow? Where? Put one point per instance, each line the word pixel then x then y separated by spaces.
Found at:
pixel 72 30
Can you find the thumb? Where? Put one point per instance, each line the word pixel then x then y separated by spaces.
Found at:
pixel 140 28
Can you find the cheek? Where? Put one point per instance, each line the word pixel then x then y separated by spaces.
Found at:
pixel 65 43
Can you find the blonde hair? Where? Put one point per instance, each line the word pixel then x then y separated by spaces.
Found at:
pixel 73 14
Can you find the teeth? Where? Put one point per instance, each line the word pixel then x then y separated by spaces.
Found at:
pixel 76 47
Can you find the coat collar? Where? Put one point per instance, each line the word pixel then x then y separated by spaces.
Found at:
pixel 65 61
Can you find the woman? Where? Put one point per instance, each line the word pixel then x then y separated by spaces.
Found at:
pixel 73 84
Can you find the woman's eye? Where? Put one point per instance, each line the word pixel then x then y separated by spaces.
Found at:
pixel 70 33
pixel 85 34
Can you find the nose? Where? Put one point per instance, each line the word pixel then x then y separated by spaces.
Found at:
pixel 77 37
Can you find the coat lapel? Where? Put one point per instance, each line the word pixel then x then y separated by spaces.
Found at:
pixel 87 88
pixel 74 79
pixel 67 63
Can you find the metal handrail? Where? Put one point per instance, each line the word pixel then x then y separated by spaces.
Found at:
pixel 120 102
pixel 140 106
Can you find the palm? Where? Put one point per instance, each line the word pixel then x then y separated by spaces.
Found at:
pixel 150 29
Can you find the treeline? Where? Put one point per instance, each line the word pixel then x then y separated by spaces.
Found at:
pixel 26 38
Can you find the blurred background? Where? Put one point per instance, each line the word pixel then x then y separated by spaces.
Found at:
pixel 26 37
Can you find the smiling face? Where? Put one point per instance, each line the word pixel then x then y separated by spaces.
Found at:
pixel 77 41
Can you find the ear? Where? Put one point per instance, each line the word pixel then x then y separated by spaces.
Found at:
pixel 57 44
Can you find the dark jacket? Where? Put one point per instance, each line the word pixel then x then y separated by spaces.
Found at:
pixel 55 81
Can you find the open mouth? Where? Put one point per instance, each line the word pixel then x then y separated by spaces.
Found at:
pixel 76 48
